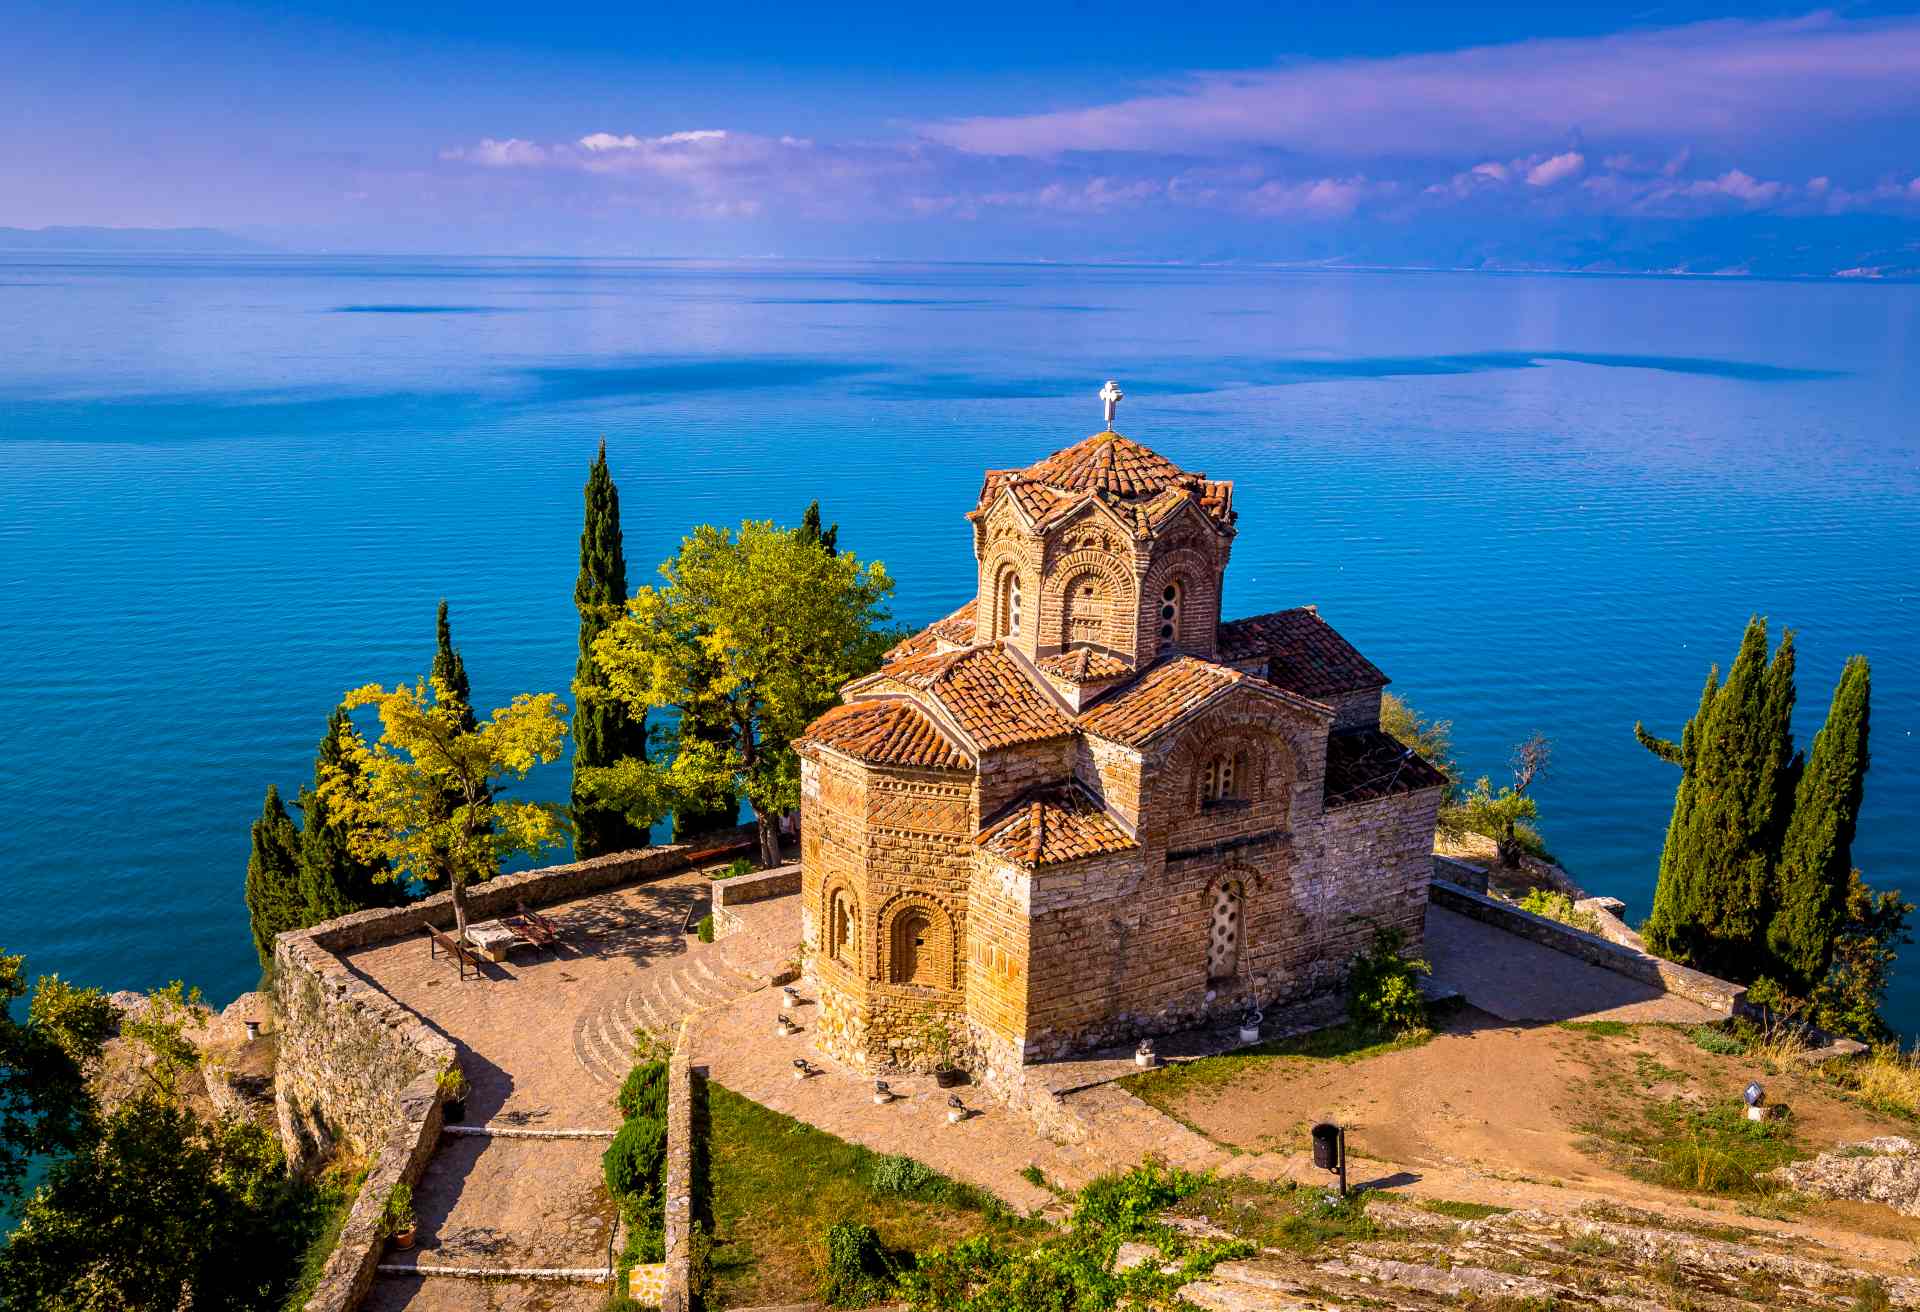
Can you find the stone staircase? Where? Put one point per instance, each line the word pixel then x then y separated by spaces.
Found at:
pixel 605 1037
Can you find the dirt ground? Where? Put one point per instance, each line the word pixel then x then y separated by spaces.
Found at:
pixel 1491 1099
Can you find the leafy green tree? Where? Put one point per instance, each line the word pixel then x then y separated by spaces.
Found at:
pixel 276 901
pixel 1815 869
pixel 708 727
pixel 44 1104
pixel 763 628
pixel 334 881
pixel 1507 816
pixel 1433 740
pixel 1711 904
pixel 393 794
pixel 603 731
pixel 828 539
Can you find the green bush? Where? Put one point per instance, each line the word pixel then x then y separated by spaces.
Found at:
pixel 1383 986
pixel 1559 906
pixel 1127 1202
pixel 1711 1038
pixel 635 1162
pixel 705 928
pixel 905 1177
pixel 644 1092
pixel 857 1271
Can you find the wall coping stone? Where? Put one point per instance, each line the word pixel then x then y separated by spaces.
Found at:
pixel 678 1190
pixel 1718 995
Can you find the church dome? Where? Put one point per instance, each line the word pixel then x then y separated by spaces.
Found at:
pixel 1109 464
pixel 1143 485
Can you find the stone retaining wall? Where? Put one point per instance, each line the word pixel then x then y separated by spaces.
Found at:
pixel 678 1296
pixel 742 889
pixel 358 1068
pixel 1715 994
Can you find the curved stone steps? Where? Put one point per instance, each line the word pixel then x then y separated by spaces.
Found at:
pixel 663 995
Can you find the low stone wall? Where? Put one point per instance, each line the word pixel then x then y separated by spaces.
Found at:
pixel 1716 994
pixel 1464 873
pixel 742 889
pixel 357 1067
pixel 678 1295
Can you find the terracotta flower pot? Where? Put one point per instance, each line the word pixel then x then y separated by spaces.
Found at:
pixel 948 1077
pixel 404 1239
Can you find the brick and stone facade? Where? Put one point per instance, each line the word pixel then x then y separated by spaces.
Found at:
pixel 1082 808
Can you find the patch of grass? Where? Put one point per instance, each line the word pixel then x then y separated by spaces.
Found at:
pixel 1886 1079
pixel 1298 1218
pixel 705 928
pixel 329 1200
pixel 1713 1039
pixel 1699 1148
pixel 1597 1029
pixel 1172 1084
pixel 1462 1211
pixel 776 1185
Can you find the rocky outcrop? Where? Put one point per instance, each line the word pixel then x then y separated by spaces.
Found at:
pixel 1884 1170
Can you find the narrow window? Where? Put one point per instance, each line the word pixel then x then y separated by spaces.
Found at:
pixel 1223 933
pixel 1223 778
pixel 844 943
pixel 1169 612
pixel 1010 605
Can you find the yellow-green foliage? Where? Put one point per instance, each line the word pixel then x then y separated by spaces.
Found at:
pixel 1559 906
pixel 395 793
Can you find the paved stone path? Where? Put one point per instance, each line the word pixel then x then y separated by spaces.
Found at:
pixel 1520 980
pixel 544 1038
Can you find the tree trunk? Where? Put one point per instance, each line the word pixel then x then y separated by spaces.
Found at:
pixel 459 889
pixel 768 827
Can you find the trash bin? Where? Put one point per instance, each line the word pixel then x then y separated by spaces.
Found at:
pixel 1327 1146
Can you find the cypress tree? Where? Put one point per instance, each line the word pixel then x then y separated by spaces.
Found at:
pixel 1815 870
pixel 811 530
pixel 604 732
pixel 334 881
pixel 449 669
pixel 1711 906
pixel 274 900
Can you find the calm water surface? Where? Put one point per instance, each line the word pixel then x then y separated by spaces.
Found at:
pixel 232 488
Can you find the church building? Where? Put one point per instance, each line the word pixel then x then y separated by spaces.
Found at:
pixel 1083 807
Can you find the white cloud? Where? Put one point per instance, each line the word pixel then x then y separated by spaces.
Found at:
pixel 1492 169
pixel 493 154
pixel 1557 169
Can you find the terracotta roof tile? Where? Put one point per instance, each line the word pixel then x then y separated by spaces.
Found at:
pixel 985 690
pixel 1084 665
pixel 889 731
pixel 956 630
pixel 1054 824
pixel 1156 699
pixel 1369 763
pixel 1303 652
pixel 1143 486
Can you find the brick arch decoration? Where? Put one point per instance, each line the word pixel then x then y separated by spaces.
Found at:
pixel 1066 575
pixel 939 967
pixel 1007 558
pixel 1264 746
pixel 1198 573
pixel 834 892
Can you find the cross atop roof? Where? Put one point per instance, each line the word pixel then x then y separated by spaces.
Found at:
pixel 1112 395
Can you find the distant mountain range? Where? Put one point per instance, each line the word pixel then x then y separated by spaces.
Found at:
pixel 180 240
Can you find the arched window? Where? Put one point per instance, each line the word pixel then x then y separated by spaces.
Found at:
pixel 914 950
pixel 1170 598
pixel 1223 932
pixel 843 928
pixel 1224 778
pixel 1010 604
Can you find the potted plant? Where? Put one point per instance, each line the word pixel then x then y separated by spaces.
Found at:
pixel 454 1089
pixel 397 1221
pixel 936 1042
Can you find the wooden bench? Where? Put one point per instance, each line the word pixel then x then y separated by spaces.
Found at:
pixel 462 955
pixel 539 933
pixel 539 923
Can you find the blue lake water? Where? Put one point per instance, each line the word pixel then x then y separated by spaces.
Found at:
pixel 231 488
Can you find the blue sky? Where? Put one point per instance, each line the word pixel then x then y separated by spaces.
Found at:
pixel 1706 137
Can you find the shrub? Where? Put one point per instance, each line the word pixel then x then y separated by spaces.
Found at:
pixel 1711 1038
pixel 1384 991
pixel 705 928
pixel 635 1162
pixel 644 1092
pixel 739 866
pixel 1128 1202
pixel 396 1214
pixel 857 1271
pixel 904 1177
pixel 1559 906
